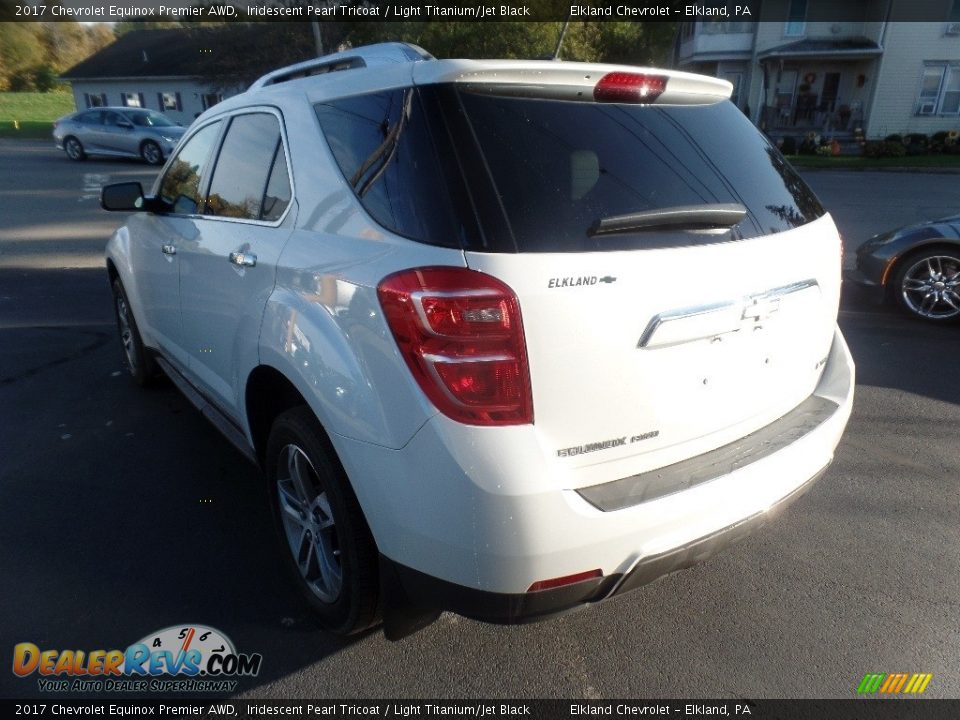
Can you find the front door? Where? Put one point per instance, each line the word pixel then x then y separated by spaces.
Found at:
pixel 831 88
pixel 157 238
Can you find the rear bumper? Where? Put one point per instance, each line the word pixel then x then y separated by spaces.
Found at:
pixel 470 526
pixel 413 594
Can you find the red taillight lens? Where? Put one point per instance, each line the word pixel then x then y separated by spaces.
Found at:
pixel 460 333
pixel 624 87
pixel 565 580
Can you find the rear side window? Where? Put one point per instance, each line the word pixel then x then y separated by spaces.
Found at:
pixel 245 166
pixel 560 167
pixel 386 151
pixel 91 118
pixel 182 184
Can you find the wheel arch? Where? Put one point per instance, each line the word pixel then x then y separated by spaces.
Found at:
pixel 267 394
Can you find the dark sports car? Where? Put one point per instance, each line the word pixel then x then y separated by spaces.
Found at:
pixel 918 266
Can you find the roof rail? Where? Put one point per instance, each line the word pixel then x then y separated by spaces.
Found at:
pixel 365 56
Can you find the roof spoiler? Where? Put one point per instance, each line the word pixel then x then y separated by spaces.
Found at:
pixel 365 56
pixel 587 82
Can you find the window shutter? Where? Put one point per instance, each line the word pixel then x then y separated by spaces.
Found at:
pixel 86 99
pixel 179 104
pixel 123 99
pixel 143 102
pixel 160 102
pixel 103 99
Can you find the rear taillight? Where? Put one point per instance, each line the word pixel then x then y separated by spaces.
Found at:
pixel 625 87
pixel 460 333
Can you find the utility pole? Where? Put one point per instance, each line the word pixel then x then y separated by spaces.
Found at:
pixel 563 33
pixel 317 39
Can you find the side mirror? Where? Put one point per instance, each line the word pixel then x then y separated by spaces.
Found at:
pixel 126 196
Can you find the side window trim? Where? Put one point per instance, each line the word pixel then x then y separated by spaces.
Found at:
pixel 228 120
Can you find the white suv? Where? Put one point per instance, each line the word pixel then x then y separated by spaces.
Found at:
pixel 506 337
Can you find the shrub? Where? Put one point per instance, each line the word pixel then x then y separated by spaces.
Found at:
pixel 895 138
pixel 937 142
pixel 884 148
pixel 916 144
pixel 789 146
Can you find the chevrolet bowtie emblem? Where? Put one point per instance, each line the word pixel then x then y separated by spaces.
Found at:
pixel 761 308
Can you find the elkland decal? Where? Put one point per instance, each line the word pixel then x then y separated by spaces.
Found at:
pixel 180 658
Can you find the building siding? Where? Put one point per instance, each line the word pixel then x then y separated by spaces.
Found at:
pixel 191 94
pixel 907 46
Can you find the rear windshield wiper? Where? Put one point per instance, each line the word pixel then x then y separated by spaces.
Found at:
pixel 680 217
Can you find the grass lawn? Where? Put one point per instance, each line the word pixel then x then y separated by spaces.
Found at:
pixel 33 112
pixel 856 162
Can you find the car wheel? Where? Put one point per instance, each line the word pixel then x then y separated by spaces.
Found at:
pixel 151 152
pixel 927 285
pixel 140 363
pixel 74 149
pixel 327 546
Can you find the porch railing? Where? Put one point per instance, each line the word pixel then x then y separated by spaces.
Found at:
pixel 845 118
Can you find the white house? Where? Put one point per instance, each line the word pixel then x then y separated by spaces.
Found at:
pixel 165 70
pixel 834 67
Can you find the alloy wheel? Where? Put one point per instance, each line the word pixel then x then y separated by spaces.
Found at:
pixel 309 524
pixel 126 332
pixel 931 287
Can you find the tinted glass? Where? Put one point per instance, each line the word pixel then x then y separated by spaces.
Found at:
pixel 91 118
pixel 383 145
pixel 560 167
pixel 277 196
pixel 149 119
pixel 245 160
pixel 115 119
pixel 181 186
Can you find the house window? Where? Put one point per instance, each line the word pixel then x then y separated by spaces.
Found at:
pixel 954 12
pixel 211 99
pixel 95 100
pixel 131 99
pixel 169 101
pixel 796 24
pixel 939 90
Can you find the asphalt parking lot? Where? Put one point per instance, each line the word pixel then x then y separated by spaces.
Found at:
pixel 122 511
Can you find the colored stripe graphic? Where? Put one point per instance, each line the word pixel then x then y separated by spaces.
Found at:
pixel 894 683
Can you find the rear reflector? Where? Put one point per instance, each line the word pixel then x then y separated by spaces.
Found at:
pixel 625 87
pixel 565 580
pixel 460 333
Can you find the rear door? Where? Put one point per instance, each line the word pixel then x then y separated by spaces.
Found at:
pixel 665 341
pixel 228 268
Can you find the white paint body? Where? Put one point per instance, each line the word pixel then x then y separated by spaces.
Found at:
pixel 495 508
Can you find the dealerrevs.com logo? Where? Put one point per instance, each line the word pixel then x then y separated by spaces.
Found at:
pixel 181 658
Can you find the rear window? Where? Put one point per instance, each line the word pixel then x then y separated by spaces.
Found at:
pixel 533 175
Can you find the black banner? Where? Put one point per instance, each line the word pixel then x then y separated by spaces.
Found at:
pixel 463 10
pixel 864 709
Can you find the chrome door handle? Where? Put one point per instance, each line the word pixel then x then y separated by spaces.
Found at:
pixel 243 259
pixel 169 250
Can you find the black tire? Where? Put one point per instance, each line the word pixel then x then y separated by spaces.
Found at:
pixel 137 358
pixel 151 152
pixel 74 149
pixel 331 525
pixel 926 284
